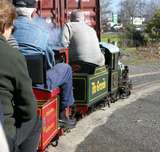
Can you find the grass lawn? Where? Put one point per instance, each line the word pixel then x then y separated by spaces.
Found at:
pixel 132 56
pixel 110 36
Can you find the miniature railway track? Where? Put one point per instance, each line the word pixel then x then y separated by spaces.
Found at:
pixel 149 83
pixel 144 74
pixel 145 85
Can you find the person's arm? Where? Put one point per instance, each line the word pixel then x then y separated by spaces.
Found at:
pixel 12 42
pixel 25 104
pixel 66 35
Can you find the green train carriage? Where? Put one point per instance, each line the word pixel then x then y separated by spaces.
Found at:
pixel 90 88
pixel 101 85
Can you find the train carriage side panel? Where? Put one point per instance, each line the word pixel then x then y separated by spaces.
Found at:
pixel 60 10
pixel 90 88
pixel 91 9
pixel 50 9
pixel 48 112
pixel 98 86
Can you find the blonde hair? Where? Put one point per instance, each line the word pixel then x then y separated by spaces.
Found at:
pixel 7 14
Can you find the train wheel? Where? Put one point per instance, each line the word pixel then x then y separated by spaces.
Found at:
pixel 78 116
pixel 54 143
pixel 93 108
pixel 108 101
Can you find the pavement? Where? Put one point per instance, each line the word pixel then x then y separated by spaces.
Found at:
pixel 133 128
pixel 130 125
pixel 144 68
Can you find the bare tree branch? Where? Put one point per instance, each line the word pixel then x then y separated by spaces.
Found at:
pixel 105 9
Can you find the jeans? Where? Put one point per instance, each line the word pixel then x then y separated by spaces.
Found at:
pixel 61 76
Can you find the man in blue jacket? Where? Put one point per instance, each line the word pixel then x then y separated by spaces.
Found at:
pixel 34 35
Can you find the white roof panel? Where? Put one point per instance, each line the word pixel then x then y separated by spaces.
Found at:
pixel 112 48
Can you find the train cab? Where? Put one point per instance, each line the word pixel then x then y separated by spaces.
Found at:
pixel 111 53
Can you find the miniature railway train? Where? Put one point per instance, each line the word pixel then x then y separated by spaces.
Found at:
pixel 103 84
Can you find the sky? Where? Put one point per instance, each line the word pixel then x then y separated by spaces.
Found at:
pixel 115 4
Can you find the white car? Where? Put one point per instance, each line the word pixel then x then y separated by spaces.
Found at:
pixel 117 27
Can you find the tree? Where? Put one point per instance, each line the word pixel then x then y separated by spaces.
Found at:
pixel 131 9
pixel 128 10
pixel 153 26
pixel 151 7
pixel 105 10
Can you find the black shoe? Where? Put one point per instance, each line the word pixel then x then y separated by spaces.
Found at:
pixel 66 122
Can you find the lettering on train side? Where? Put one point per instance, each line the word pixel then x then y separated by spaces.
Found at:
pixel 49 127
pixel 49 112
pixel 98 86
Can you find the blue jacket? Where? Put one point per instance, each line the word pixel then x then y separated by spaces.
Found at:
pixel 34 36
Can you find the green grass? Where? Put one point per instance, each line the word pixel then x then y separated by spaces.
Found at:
pixel 132 56
pixel 110 36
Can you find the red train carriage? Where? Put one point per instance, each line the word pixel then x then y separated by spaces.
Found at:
pixel 48 101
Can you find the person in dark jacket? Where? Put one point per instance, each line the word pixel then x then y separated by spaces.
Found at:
pixel 3 143
pixel 21 123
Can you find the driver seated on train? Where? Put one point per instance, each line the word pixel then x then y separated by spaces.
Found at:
pixel 33 35
pixel 82 41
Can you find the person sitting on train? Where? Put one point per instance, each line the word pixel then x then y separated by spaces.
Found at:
pixel 12 41
pixel 21 124
pixel 34 36
pixel 82 41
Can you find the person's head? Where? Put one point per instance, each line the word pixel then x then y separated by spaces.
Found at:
pixel 7 16
pixel 25 7
pixel 77 16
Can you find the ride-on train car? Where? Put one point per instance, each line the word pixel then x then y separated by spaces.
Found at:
pixel 48 101
pixel 94 86
pixel 106 83
pixel 101 84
